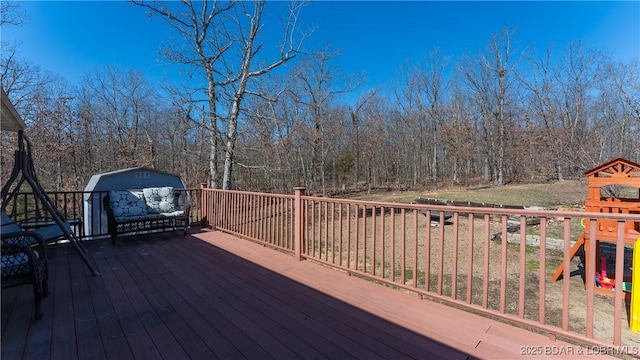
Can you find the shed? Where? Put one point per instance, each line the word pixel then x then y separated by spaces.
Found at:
pixel 95 217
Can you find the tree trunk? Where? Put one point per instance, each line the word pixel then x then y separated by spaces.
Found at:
pixel 559 172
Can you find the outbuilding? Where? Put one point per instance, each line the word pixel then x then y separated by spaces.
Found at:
pixel 95 217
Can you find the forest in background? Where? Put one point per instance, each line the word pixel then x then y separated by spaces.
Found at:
pixel 505 114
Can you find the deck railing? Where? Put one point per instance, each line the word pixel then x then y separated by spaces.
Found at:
pixel 457 255
pixel 497 262
pixel 74 205
pixel 264 218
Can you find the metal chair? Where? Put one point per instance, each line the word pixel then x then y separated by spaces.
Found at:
pixel 24 262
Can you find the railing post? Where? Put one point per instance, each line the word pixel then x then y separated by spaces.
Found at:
pixel 298 220
pixel 204 208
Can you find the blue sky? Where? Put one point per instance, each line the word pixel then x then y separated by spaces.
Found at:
pixel 375 38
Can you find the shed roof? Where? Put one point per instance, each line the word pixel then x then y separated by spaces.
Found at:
pixel 130 178
pixel 10 120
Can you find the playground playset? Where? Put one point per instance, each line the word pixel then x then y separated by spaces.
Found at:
pixel 618 172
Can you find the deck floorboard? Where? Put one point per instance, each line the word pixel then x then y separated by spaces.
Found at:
pixel 210 295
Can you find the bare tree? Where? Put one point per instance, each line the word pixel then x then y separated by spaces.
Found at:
pixel 20 77
pixel 435 90
pixel 52 133
pixel 119 103
pixel 421 99
pixel 216 33
pixel 23 82
pixel 356 121
pixel 458 134
pixel 578 72
pixel 268 145
pixel 491 78
pixel 625 79
pixel 10 13
pixel 615 113
pixel 544 110
pixel 377 136
pixel 316 89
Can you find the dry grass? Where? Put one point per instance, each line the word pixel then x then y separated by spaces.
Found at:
pixel 566 194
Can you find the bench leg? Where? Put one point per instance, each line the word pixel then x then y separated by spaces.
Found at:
pixel 45 288
pixel 37 299
pixel 38 310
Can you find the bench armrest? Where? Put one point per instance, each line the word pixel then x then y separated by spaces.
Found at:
pixel 182 201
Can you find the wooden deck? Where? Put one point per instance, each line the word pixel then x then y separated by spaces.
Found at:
pixel 210 295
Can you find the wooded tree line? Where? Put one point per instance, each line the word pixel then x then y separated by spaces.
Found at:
pixel 504 114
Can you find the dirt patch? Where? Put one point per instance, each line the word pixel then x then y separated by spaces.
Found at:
pixel 398 245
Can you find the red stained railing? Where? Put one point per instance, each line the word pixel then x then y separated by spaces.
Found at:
pixel 263 218
pixel 457 255
pixel 470 257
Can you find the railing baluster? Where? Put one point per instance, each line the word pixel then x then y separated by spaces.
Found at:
pixel 503 264
pixel 454 258
pixel 485 279
pixel 441 253
pixel 340 225
pixel 590 280
pixel 565 277
pixel 393 246
pixel 523 263
pixel 403 247
pixel 618 299
pixel 373 239
pixel 348 235
pixel 333 226
pixel 382 242
pixel 542 275
pixel 357 235
pixel 427 250
pixel 415 248
pixel 470 259
pixel 364 238
pixel 326 231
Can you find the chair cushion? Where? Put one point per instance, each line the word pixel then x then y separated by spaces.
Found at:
pixel 15 264
pixel 159 200
pixel 173 214
pixel 127 203
pixel 53 232
pixel 8 225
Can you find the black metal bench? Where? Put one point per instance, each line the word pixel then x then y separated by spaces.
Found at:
pixel 150 209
